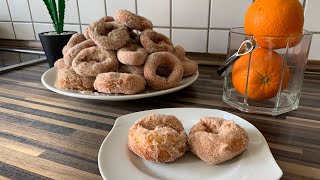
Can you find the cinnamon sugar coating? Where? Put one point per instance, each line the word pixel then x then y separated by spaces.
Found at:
pixel 123 83
pixel 138 70
pixel 215 140
pixel 132 54
pixel 133 21
pixel 153 41
pixel 75 50
pixel 60 64
pixel 189 67
pixel 158 138
pixel 67 79
pixel 93 61
pixel 74 40
pixel 167 60
pixel 108 35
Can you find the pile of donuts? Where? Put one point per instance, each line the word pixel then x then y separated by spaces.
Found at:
pixel 162 139
pixel 110 57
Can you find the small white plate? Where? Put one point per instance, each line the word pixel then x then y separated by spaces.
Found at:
pixel 116 161
pixel 49 77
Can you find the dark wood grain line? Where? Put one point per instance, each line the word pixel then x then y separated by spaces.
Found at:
pixel 77 163
pixel 19 173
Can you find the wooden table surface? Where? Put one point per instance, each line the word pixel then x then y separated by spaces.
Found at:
pixel 44 135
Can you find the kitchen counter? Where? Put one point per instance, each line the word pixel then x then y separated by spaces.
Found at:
pixel 44 135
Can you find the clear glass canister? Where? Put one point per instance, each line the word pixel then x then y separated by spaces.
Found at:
pixel 267 80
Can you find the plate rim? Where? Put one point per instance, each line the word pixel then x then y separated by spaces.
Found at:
pixel 192 78
pixel 188 108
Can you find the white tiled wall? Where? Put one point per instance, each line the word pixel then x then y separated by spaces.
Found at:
pixel 198 25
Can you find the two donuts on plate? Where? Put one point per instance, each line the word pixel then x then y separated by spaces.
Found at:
pixel 162 139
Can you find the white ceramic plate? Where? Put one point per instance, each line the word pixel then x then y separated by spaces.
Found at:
pixel 116 161
pixel 49 77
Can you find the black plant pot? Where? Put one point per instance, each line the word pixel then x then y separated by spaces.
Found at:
pixel 53 44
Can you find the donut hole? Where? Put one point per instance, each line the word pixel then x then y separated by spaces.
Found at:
pixel 164 70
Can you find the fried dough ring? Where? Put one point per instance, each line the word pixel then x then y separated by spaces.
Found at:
pixel 158 138
pixel 75 50
pixel 189 67
pixel 163 59
pixel 215 140
pixel 123 83
pixel 179 52
pixel 93 61
pixel 67 79
pixel 138 70
pixel 132 54
pixel 108 35
pixel 153 41
pixel 103 19
pixel 133 21
pixel 60 64
pixel 74 40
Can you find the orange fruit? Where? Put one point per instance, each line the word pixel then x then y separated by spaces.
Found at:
pixel 275 18
pixel 264 74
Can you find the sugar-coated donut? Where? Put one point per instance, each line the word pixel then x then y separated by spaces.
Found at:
pixel 159 138
pixel 133 21
pixel 93 61
pixel 74 40
pixel 103 19
pixel 106 19
pixel 75 50
pixel 123 83
pixel 132 54
pixel 67 79
pixel 189 67
pixel 165 59
pixel 138 70
pixel 179 52
pixel 60 64
pixel 215 140
pixel 109 35
pixel 153 41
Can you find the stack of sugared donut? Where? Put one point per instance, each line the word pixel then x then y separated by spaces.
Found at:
pixel 109 57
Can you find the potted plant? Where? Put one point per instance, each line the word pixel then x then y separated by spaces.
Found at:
pixel 53 41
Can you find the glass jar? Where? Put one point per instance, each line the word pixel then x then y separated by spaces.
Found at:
pixel 268 79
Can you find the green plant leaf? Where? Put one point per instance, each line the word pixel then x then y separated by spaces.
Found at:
pixel 62 6
pixel 53 15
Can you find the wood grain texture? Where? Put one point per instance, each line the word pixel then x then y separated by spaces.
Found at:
pixel 44 135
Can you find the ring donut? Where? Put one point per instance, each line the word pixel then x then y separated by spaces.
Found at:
pixel 153 41
pixel 103 19
pixel 138 70
pixel 74 40
pixel 179 52
pixel 93 61
pixel 133 21
pixel 132 54
pixel 109 35
pixel 163 59
pixel 158 138
pixel 113 82
pixel 75 50
pixel 215 140
pixel 67 79
pixel 60 64
pixel 189 67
